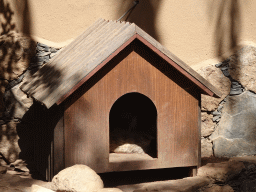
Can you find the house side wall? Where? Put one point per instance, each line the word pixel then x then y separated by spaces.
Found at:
pixel 87 111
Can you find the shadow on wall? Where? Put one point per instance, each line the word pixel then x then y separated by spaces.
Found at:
pixel 226 15
pixel 228 25
pixel 16 53
pixel 7 15
pixel 15 49
pixel 144 15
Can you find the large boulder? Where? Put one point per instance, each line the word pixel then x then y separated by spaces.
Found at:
pixel 236 133
pixel 234 121
pixel 78 178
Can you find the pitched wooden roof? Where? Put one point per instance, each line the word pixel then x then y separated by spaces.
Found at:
pixel 82 58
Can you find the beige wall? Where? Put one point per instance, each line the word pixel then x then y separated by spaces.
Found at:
pixel 195 31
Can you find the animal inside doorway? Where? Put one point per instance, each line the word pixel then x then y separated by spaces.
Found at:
pixel 133 125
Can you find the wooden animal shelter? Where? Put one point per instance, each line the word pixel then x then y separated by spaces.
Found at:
pixel 112 81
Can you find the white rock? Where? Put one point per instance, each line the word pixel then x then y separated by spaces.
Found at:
pixel 78 178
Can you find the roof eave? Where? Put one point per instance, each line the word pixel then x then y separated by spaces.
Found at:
pixel 155 46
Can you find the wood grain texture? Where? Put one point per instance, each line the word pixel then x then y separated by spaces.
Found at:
pixel 61 76
pixel 58 144
pixel 135 69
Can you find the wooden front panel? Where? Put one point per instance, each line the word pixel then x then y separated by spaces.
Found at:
pixel 135 69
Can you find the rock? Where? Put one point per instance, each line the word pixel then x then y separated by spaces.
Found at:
pixel 217 188
pixel 209 103
pixel 17 103
pixel 249 186
pixel 37 188
pixel 180 185
pixel 232 147
pixel 9 141
pixel 216 118
pixel 16 51
pixel 20 165
pixel 3 170
pixel 206 148
pixel 207 125
pixel 236 133
pixel 243 67
pixel 247 159
pixel 221 172
pixel 216 78
pixel 42 54
pixel 77 178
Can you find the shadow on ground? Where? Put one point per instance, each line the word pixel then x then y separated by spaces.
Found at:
pixel 114 179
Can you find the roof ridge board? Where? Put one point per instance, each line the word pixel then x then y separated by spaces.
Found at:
pixel 178 61
pixel 94 42
pixel 87 43
pixel 64 50
pixel 77 63
pixel 112 36
pixel 55 98
pixel 83 35
pixel 77 42
pixel 60 88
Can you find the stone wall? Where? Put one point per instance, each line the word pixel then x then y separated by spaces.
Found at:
pixel 19 56
pixel 228 123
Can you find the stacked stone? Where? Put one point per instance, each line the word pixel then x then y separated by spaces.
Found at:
pixel 43 54
pixel 228 122
pixel 217 113
pixel 16 102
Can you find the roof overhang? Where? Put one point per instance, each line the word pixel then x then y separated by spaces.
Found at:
pixel 118 35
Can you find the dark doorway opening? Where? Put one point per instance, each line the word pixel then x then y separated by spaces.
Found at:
pixel 133 125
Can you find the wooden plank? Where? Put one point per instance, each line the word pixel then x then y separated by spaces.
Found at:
pixel 59 145
pixel 199 133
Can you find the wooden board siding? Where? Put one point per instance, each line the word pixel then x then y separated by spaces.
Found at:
pixel 135 69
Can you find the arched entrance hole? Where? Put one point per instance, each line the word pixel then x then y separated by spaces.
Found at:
pixel 133 125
